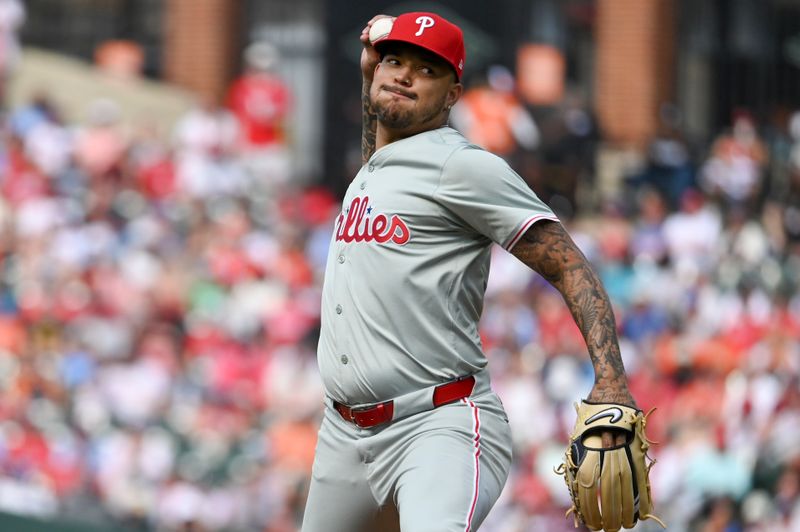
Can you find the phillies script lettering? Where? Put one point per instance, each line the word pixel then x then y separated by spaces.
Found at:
pixel 359 226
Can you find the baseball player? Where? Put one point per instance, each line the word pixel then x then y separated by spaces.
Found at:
pixel 413 438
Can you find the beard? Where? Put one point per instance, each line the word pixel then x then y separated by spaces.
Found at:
pixel 394 115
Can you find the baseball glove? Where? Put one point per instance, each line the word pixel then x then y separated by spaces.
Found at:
pixel 610 488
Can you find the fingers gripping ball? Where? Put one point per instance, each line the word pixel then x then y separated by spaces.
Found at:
pixel 609 488
pixel 380 29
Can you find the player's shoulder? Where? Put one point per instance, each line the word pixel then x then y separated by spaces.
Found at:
pixel 465 156
pixel 447 149
pixel 447 136
pixel 434 146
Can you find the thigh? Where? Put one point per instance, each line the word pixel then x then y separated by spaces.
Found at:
pixel 339 498
pixel 453 470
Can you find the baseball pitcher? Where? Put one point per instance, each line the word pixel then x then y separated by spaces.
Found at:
pixel 413 437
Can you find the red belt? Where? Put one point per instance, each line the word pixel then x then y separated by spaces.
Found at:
pixel 370 416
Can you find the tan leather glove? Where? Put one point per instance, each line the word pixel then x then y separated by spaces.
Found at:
pixel 610 488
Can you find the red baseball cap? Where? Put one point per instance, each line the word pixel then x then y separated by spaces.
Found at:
pixel 432 32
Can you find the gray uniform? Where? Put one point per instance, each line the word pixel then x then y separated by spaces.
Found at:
pixel 403 295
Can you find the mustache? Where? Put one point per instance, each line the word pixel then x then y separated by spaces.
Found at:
pixel 399 90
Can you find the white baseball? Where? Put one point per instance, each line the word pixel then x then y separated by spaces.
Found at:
pixel 380 29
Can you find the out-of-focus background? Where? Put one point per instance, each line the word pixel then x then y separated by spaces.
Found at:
pixel 170 171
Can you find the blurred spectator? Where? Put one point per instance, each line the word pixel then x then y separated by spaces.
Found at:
pixel 692 234
pixel 718 515
pixel 12 17
pixel 23 119
pixel 100 146
pixel 564 174
pixel 492 116
pixel 790 200
pixel 734 171
pixel 152 164
pixel 22 180
pixel 49 145
pixel 714 472
pixel 648 241
pixel 205 140
pixel 794 133
pixel 261 101
pixel 669 166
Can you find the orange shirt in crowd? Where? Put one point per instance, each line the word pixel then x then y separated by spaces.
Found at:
pixel 490 121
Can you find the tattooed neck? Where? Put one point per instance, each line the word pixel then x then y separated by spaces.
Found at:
pixel 369 123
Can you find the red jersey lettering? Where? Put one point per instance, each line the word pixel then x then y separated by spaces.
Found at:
pixel 357 225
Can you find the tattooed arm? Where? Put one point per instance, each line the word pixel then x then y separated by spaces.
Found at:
pixel 369 120
pixel 549 250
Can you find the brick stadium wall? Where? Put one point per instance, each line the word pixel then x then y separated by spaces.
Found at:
pixel 634 66
pixel 202 44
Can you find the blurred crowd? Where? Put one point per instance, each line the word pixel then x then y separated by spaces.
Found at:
pixel 159 305
pixel 159 313
pixel 699 249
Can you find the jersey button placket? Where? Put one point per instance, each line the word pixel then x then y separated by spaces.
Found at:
pixel 338 309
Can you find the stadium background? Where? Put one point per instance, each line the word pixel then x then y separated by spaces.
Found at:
pixel 162 255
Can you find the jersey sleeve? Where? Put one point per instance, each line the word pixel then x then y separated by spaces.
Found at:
pixel 487 194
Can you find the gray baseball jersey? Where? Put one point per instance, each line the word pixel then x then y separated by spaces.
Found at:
pixel 408 265
pixel 403 294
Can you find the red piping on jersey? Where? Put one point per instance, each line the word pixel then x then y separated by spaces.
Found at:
pixel 476 425
pixel 525 227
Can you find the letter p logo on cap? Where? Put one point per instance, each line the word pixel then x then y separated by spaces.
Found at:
pixel 424 22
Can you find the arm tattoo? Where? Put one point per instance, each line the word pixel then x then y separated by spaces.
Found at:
pixel 549 250
pixel 369 124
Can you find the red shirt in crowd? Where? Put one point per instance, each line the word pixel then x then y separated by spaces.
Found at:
pixel 260 102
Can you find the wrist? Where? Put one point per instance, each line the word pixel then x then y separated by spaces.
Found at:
pixel 612 393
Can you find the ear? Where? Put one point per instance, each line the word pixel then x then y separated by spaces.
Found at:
pixel 453 94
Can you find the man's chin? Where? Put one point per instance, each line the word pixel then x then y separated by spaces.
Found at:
pixel 393 119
